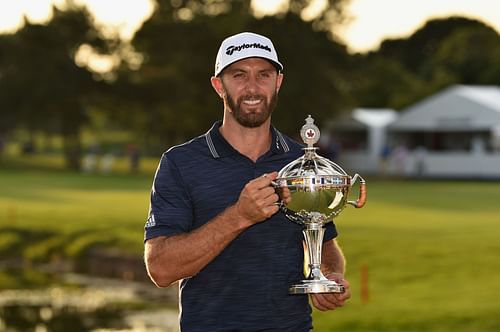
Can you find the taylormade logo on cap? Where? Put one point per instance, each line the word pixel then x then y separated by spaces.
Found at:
pixel 231 49
pixel 245 45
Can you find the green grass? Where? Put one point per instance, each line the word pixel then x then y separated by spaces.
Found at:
pixel 432 247
pixel 44 213
pixel 432 251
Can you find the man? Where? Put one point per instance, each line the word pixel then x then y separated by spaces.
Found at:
pixel 214 223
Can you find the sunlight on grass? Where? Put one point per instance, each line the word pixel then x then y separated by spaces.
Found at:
pixel 431 266
pixel 431 247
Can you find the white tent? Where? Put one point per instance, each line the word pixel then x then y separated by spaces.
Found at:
pixel 362 136
pixel 455 132
pixel 458 108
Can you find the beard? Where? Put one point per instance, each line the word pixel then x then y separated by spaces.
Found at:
pixel 254 118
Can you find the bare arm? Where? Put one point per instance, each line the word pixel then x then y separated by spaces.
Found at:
pixel 169 259
pixel 332 258
pixel 333 267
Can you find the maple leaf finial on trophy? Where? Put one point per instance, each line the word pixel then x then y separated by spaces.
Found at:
pixel 310 132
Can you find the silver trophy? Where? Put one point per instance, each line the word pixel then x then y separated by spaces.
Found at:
pixel 313 191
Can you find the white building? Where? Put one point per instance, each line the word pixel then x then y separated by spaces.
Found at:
pixel 454 133
pixel 361 137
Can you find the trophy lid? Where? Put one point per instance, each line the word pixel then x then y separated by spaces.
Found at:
pixel 311 164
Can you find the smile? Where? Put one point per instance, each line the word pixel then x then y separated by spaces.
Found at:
pixel 252 101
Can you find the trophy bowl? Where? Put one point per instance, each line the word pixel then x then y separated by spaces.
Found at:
pixel 314 190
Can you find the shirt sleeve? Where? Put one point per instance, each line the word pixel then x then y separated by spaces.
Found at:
pixel 330 232
pixel 170 208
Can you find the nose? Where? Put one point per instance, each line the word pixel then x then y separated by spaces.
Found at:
pixel 252 84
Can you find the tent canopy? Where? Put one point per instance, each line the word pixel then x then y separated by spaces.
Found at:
pixel 363 118
pixel 458 108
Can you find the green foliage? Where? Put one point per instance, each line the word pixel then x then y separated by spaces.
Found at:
pixel 83 242
pixel 415 51
pixel 471 65
pixel 399 87
pixel 8 240
pixel 316 70
pixel 161 91
pixel 41 86
pixel 169 98
pixel 321 78
pixel 404 71
pixel 43 249
pixel 8 280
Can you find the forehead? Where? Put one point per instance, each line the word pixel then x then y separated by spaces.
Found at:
pixel 251 64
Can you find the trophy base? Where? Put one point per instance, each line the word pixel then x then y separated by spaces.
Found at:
pixel 316 286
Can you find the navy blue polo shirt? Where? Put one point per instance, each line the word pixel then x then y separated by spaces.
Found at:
pixel 245 288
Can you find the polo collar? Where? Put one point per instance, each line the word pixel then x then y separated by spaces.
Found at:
pixel 219 147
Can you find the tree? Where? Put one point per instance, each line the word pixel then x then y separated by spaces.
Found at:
pixel 384 83
pixel 448 51
pixel 8 118
pixel 170 94
pixel 415 51
pixel 471 55
pixel 317 71
pixel 42 84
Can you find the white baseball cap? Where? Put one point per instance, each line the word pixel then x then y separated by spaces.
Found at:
pixel 245 45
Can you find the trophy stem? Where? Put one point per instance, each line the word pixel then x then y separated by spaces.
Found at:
pixel 315 282
pixel 313 236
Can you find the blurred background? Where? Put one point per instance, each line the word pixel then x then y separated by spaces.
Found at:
pixel 407 93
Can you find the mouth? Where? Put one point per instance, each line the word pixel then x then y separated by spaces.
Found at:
pixel 252 102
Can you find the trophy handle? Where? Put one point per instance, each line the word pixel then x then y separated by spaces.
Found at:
pixel 291 215
pixel 360 202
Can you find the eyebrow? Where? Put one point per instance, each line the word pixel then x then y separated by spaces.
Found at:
pixel 266 70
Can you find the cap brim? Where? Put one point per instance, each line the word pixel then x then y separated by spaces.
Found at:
pixel 279 66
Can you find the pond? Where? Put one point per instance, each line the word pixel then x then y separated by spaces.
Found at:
pixel 89 304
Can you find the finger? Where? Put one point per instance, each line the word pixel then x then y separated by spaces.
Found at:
pixel 331 299
pixel 337 277
pixel 286 195
pixel 264 201
pixel 257 188
pixel 346 294
pixel 266 179
pixel 317 304
pixel 270 210
pixel 270 201
pixel 268 192
pixel 272 175
pixel 345 283
pixel 325 302
pixel 264 197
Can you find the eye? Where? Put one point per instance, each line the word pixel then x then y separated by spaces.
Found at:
pixel 265 74
pixel 239 75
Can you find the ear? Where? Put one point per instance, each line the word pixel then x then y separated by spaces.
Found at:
pixel 279 80
pixel 217 85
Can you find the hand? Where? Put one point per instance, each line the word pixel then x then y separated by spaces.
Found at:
pixel 332 301
pixel 257 200
pixel 285 195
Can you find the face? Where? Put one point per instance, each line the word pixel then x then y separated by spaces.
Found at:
pixel 249 89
